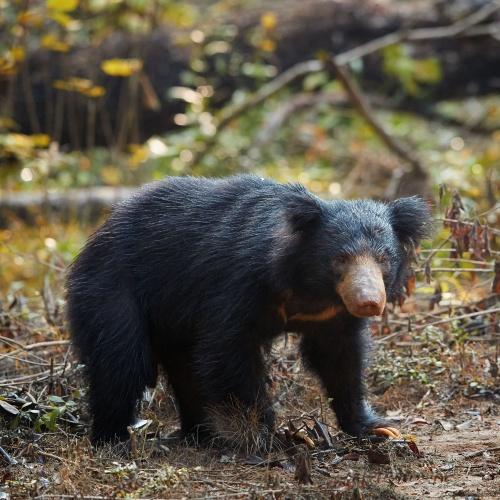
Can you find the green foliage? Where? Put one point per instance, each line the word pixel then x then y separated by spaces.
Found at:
pixel 48 420
pixel 42 417
pixel 411 72
pixel 322 145
pixel 402 368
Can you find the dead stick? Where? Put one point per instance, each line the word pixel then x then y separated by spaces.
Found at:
pixel 30 347
pixel 35 377
pixel 48 343
pixel 466 223
pixel 422 34
pixel 361 104
pixel 10 460
pixel 441 322
pixel 480 452
pixel 71 497
pixel 51 455
pixel 28 361
pixel 456 269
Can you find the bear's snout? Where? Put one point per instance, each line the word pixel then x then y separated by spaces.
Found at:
pixel 362 287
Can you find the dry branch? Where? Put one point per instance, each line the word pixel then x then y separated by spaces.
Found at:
pixel 30 347
pixel 457 269
pixel 302 69
pixel 460 28
pixel 10 460
pixel 363 107
pixel 296 104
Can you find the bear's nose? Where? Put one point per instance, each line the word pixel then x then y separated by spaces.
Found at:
pixel 367 306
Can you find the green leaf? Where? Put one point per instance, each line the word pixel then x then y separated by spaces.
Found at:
pixel 56 399
pixel 49 420
pixel 398 63
pixel 428 70
pixel 315 80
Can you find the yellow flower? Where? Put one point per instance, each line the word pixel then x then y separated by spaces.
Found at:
pixel 121 67
pixel 268 21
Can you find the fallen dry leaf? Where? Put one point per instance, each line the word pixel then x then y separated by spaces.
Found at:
pixel 378 457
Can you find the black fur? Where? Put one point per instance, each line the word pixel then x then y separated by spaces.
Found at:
pixel 190 274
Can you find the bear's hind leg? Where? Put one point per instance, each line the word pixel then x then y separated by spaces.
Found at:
pixel 113 342
pixel 234 381
pixel 187 391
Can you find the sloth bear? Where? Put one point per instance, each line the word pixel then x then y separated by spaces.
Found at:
pixel 200 275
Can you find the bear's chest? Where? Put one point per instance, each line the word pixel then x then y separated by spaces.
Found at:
pixel 299 315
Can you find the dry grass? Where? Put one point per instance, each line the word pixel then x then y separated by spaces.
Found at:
pixel 62 462
pixel 434 374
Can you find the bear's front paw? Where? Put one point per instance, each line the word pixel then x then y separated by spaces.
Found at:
pixel 369 425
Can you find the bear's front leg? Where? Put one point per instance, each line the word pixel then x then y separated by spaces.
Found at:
pixel 234 381
pixel 336 353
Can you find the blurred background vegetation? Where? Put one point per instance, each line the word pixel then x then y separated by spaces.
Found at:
pixel 359 98
pixel 99 96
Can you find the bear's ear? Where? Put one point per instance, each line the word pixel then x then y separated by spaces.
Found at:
pixel 411 219
pixel 302 210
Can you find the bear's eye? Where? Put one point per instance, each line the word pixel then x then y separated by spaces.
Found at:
pixel 338 264
pixel 340 259
pixel 383 259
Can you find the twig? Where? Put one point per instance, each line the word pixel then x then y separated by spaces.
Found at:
pixel 8 340
pixel 459 260
pixel 440 322
pixel 457 28
pixel 10 460
pixel 433 251
pixel 28 361
pixel 457 269
pixel 51 455
pixel 480 452
pixel 490 210
pixel 35 377
pixel 71 497
pixel 239 493
pixel 446 310
pixel 47 343
pixel 37 345
pixel 30 347
pixel 466 223
pixel 25 378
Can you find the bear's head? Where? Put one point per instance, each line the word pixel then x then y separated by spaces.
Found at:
pixel 357 252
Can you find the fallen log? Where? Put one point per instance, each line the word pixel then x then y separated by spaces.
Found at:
pixel 84 205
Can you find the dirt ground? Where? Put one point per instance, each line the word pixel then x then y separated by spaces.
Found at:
pixel 448 408
pixel 434 371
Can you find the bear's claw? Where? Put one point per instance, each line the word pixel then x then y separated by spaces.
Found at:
pixel 389 432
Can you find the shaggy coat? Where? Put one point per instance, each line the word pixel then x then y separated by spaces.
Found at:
pixel 199 275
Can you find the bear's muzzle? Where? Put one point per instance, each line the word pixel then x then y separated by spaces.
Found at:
pixel 362 287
